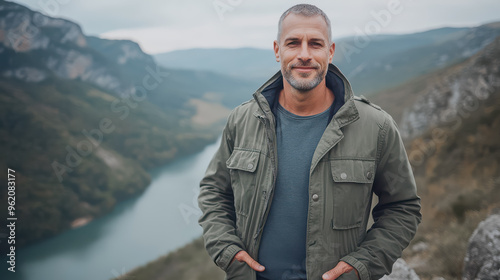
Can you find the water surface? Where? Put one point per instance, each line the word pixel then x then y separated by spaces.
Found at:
pixel 139 230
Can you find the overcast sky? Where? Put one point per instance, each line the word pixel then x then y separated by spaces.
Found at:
pixel 160 26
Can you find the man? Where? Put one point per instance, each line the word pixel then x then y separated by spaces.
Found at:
pixel 288 194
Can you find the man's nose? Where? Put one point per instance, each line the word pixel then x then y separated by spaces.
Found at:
pixel 304 53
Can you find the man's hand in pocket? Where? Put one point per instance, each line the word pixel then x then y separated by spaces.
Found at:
pixel 243 256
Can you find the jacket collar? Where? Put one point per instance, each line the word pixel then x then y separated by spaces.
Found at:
pixel 343 108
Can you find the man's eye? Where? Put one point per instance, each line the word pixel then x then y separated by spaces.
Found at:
pixel 293 43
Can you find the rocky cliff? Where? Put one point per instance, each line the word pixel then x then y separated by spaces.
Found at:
pixel 454 93
pixel 443 97
pixel 35 46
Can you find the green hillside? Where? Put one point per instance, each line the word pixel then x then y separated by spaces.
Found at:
pixel 189 262
pixel 62 175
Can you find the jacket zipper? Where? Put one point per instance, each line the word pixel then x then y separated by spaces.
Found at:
pixel 268 195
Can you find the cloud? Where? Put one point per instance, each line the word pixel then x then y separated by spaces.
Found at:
pixel 242 32
pixel 160 26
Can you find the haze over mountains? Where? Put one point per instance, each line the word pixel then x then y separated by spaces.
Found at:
pixel 367 61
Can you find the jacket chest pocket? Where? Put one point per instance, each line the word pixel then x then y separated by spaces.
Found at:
pixel 352 185
pixel 242 165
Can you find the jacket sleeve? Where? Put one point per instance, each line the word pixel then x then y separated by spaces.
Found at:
pixel 397 214
pixel 217 205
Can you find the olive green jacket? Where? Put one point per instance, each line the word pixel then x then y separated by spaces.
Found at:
pixel 360 153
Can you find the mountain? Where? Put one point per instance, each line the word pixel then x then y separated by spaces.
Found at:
pixel 251 64
pixel 383 62
pixel 372 63
pixel 456 165
pixel 444 96
pixel 83 119
pixel 186 84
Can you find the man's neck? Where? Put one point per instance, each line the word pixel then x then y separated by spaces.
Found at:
pixel 306 103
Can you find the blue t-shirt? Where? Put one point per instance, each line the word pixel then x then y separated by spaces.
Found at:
pixel 283 245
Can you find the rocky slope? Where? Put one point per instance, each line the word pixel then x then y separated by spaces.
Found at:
pixel 35 46
pixel 456 93
pixel 454 149
pixel 442 97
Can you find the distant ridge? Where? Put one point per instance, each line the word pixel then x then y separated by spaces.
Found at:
pixel 372 63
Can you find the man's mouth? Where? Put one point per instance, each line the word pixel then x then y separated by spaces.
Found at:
pixel 304 68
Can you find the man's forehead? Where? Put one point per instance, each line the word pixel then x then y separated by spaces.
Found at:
pixel 297 25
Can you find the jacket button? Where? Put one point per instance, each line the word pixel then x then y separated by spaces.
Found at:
pixel 315 197
pixel 343 176
pixel 369 175
pixel 250 166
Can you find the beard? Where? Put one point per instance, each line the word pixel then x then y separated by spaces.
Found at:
pixel 300 84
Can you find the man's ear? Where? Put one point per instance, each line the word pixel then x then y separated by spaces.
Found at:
pixel 276 48
pixel 332 52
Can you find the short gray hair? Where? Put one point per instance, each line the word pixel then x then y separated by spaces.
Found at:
pixel 306 10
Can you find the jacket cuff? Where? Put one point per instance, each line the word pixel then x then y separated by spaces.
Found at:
pixel 363 272
pixel 227 256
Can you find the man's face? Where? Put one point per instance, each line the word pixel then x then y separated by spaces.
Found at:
pixel 304 51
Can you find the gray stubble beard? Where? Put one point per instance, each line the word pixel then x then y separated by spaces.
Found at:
pixel 303 86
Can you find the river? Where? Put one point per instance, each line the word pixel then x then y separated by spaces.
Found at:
pixel 139 230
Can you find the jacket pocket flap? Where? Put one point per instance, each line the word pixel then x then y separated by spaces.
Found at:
pixel 345 227
pixel 245 160
pixel 353 170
